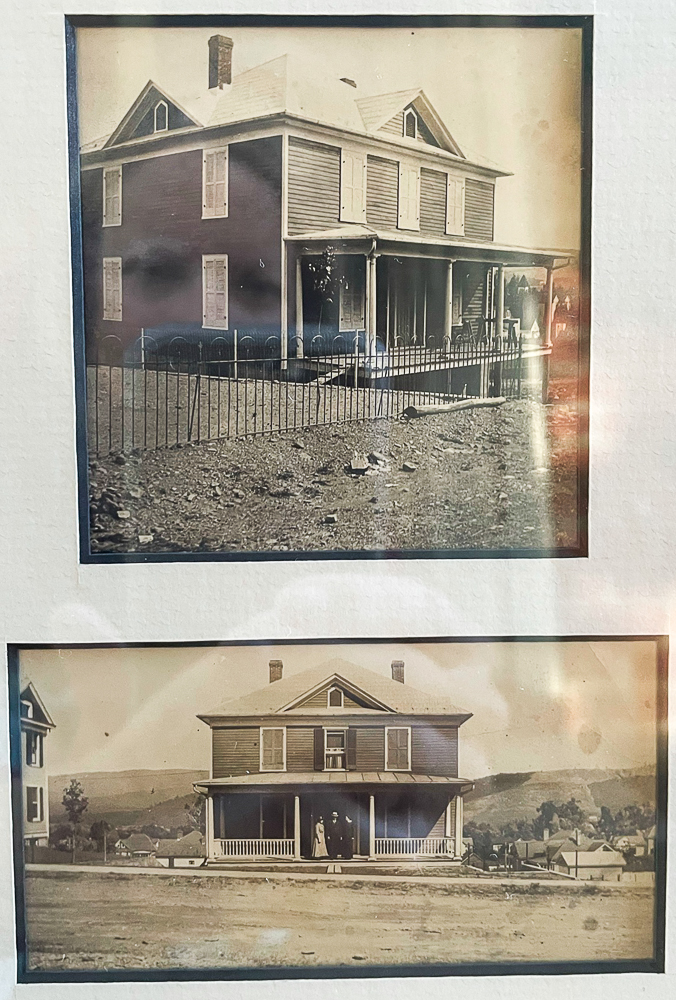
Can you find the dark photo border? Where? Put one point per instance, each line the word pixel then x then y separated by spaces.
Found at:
pixel 652 965
pixel 585 23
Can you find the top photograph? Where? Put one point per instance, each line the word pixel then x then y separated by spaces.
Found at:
pixel 331 286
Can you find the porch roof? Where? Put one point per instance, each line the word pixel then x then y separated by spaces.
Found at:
pixel 333 778
pixel 452 247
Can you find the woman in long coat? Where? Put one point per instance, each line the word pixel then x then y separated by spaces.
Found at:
pixel 319 840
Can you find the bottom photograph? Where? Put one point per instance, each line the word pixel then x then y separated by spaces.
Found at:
pixel 339 808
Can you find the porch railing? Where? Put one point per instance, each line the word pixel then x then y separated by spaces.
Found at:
pixel 413 847
pixel 254 848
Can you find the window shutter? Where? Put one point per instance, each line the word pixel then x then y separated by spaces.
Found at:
pixel 319 748
pixel 409 197
pixel 397 749
pixel 112 196
pixel 352 187
pixel 215 292
pixel 41 803
pixel 351 749
pixel 112 288
pixel 41 758
pixel 215 183
pixel 455 206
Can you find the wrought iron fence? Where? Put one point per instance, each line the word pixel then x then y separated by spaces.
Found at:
pixel 151 395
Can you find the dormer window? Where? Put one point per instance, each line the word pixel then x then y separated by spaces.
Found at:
pixel 161 120
pixel 411 125
pixel 335 699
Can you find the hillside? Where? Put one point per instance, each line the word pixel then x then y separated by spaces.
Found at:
pixel 501 798
pixel 125 798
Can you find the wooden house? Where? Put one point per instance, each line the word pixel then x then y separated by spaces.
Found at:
pixel 213 212
pixel 36 724
pixel 600 865
pixel 337 739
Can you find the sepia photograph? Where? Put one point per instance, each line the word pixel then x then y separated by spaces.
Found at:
pixel 331 286
pixel 391 807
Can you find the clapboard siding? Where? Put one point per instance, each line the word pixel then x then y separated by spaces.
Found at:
pixel 432 202
pixel 382 184
pixel 434 750
pixel 314 186
pixel 478 210
pixel 395 126
pixel 299 748
pixel 236 751
pixel 370 749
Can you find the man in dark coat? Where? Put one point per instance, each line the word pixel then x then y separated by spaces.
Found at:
pixel 333 834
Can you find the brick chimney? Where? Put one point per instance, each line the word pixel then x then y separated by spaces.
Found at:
pixel 398 671
pixel 276 667
pixel 220 61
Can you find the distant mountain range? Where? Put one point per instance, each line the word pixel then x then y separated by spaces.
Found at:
pixel 136 798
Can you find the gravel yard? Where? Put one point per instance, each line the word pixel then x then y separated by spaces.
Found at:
pixel 481 479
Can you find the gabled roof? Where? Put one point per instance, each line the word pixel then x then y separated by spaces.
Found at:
pixel 148 97
pixel 376 111
pixel 190 846
pixel 40 713
pixel 138 842
pixel 592 859
pixel 281 696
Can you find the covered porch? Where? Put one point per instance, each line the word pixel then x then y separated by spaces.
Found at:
pixel 383 816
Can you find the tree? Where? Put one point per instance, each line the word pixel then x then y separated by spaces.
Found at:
pixel 75 803
pixel 99 832
pixel 196 813
pixel 323 278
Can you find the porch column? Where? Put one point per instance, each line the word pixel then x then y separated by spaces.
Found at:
pixel 448 308
pixel 448 822
pixel 549 292
pixel 371 302
pixel 296 827
pixel 210 827
pixel 459 824
pixel 372 827
pixel 299 307
pixel 500 302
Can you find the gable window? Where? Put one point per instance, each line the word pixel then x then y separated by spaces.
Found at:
pixel 26 709
pixel 112 288
pixel 215 291
pixel 397 748
pixel 34 804
pixel 215 183
pixel 335 745
pixel 34 749
pixel 409 197
pixel 455 206
pixel 352 186
pixel 411 125
pixel 273 749
pixel 161 117
pixel 335 698
pixel 112 196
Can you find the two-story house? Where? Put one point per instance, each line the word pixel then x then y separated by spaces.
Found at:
pixel 208 213
pixel 335 738
pixel 36 724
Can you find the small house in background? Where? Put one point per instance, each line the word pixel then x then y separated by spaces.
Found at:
pixel 601 865
pixel 186 852
pixel 137 845
pixel 36 724
pixel 636 843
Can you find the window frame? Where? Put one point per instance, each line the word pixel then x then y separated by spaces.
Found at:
pixel 157 130
pixel 222 324
pixel 406 729
pixel 39 804
pixel 271 770
pixel 105 309
pixel 340 691
pixel 28 705
pixel 348 213
pixel 211 151
pixel 335 729
pixel 31 735
pixel 410 112
pixel 107 223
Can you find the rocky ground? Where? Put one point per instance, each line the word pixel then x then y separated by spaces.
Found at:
pixel 481 479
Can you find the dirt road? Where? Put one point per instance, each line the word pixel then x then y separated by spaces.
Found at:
pixel 128 921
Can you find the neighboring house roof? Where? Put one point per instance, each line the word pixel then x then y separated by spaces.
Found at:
pixel 526 849
pixel 554 850
pixel 598 845
pixel 592 859
pixel 190 846
pixel 333 778
pixel 385 694
pixel 137 842
pixel 40 713
pixel 632 840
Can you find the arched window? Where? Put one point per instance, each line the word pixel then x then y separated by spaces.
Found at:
pixel 161 117
pixel 411 125
pixel 335 699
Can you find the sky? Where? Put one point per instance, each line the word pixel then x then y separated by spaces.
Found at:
pixel 509 96
pixel 536 705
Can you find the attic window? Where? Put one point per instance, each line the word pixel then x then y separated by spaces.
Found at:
pixel 161 117
pixel 335 699
pixel 26 709
pixel 411 125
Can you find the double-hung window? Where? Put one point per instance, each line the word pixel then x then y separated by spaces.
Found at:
pixel 112 288
pixel 112 196
pixel 34 749
pixel 455 206
pixel 34 804
pixel 335 749
pixel 409 197
pixel 352 186
pixel 215 183
pixel 397 748
pixel 273 748
pixel 215 291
